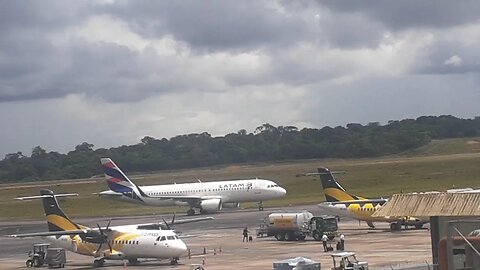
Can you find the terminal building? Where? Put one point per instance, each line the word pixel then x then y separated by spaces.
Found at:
pixel 454 225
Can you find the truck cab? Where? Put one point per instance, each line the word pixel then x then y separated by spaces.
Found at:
pixel 320 225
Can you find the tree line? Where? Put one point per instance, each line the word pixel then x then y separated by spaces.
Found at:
pixel 267 143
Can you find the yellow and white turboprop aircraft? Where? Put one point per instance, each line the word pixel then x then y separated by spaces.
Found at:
pixel 129 242
pixel 341 202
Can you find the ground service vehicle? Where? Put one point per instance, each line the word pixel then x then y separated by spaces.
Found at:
pixel 36 258
pixel 297 226
pixel 42 254
pixel 347 261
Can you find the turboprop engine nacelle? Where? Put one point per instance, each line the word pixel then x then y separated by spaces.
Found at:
pixel 231 205
pixel 211 205
pixel 114 255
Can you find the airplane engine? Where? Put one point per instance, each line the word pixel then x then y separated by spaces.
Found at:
pixel 211 205
pixel 114 255
pixel 231 205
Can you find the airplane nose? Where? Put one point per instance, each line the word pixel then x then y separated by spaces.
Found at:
pixel 282 191
pixel 179 248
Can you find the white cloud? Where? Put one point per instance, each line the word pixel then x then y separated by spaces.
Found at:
pixel 455 61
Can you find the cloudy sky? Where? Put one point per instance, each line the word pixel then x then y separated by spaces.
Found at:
pixel 111 72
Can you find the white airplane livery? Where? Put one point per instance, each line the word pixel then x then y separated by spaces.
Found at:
pixel 206 196
pixel 129 242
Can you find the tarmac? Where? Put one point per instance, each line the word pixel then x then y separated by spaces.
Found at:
pixel 221 241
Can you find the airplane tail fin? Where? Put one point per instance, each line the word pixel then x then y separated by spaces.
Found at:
pixel 57 220
pixel 334 192
pixel 117 181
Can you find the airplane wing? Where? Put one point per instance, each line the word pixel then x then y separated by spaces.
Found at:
pixel 192 200
pixel 177 197
pixel 183 198
pixel 379 201
pixel 167 226
pixel 191 220
pixel 56 233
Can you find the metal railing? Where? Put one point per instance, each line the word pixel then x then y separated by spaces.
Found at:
pixel 407 266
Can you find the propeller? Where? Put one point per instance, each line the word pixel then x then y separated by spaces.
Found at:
pixel 173 218
pixel 104 237
pixel 166 224
pixel 172 223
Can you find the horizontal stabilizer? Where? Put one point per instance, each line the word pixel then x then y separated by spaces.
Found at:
pixel 52 233
pixel 46 196
pixel 322 173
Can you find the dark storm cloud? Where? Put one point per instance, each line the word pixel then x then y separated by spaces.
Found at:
pixel 40 15
pixel 38 69
pixel 399 15
pixel 348 31
pixel 33 65
pixel 216 25
pixel 220 66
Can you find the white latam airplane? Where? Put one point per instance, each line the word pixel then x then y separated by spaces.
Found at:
pixel 206 196
pixel 128 242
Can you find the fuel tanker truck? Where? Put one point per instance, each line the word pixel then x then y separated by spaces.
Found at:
pixel 297 226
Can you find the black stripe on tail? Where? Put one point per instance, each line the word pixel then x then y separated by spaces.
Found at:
pixel 54 212
pixel 328 181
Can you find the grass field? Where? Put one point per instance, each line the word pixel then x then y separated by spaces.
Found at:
pixel 437 166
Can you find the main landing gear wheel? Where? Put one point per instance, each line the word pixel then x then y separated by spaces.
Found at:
pixel 260 206
pixel 99 263
pixel 190 212
pixel 133 261
pixel 395 226
pixel 174 261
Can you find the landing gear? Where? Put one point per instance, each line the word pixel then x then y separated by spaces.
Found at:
pixel 133 261
pixel 99 263
pixel 418 225
pixel 395 226
pixel 260 206
pixel 370 224
pixel 174 261
pixel 191 212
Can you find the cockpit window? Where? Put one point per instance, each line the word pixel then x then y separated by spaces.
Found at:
pixel 170 237
pixel 163 238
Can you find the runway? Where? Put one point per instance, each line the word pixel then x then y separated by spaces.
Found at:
pixel 221 239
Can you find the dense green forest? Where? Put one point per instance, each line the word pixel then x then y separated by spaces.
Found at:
pixel 266 143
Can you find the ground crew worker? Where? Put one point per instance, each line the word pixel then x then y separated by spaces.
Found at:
pixel 245 234
pixel 324 241
pixel 342 241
